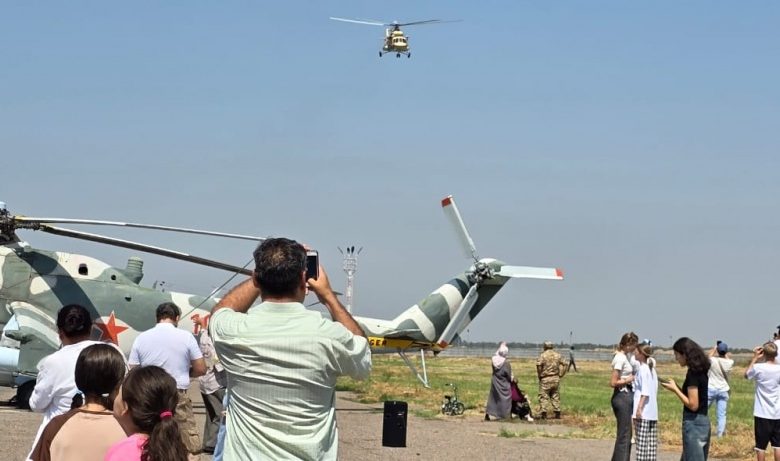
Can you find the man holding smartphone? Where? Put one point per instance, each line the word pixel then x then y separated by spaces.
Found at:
pixel 282 360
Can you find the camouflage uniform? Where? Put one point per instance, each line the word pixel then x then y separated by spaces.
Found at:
pixel 550 367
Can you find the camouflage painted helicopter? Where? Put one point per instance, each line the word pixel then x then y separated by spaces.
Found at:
pixel 395 41
pixel 34 284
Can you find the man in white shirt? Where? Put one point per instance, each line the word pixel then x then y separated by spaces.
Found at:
pixel 766 407
pixel 718 385
pixel 177 352
pixel 282 360
pixel 55 385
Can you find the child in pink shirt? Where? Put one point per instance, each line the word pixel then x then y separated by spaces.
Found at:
pixel 144 408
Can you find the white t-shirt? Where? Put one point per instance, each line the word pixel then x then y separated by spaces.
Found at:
pixel 169 348
pixel 622 364
pixel 716 378
pixel 646 383
pixel 767 401
pixel 55 385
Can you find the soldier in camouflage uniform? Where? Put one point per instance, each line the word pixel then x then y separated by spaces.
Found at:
pixel 550 368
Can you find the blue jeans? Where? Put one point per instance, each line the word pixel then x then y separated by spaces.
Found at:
pixel 721 400
pixel 219 448
pixel 695 437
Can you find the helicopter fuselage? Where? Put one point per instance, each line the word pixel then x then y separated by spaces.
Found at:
pixel 395 42
pixel 35 284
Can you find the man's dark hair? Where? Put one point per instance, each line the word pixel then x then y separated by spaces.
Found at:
pixel 168 311
pixel 74 321
pixel 279 263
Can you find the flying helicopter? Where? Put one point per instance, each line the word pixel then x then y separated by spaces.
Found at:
pixel 35 283
pixel 395 41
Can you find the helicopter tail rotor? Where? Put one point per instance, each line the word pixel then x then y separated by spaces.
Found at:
pixel 452 213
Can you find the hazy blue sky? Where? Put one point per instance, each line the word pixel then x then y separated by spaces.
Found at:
pixel 633 144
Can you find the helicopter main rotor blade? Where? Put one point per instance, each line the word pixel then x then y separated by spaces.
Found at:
pixel 143 247
pixel 360 21
pixel 420 23
pixel 33 222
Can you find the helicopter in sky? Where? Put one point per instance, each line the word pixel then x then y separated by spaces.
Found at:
pixel 395 41
pixel 35 284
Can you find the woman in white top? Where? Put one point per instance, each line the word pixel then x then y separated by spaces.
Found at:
pixel 55 385
pixel 623 396
pixel 646 404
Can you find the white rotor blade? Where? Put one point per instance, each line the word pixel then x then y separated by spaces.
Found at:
pixel 526 272
pixel 451 210
pixel 358 21
pixel 456 322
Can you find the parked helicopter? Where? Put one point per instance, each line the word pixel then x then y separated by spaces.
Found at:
pixel 395 41
pixel 35 283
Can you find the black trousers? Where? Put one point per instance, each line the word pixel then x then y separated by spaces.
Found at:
pixel 622 406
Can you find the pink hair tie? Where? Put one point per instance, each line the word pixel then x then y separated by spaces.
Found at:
pixel 166 414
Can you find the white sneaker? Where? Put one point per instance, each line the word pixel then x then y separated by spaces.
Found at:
pixel 528 418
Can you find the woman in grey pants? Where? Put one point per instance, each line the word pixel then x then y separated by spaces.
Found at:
pixel 623 395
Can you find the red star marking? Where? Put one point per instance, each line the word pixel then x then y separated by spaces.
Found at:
pixel 110 330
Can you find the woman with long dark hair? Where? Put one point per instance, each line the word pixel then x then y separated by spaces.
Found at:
pixel 621 381
pixel 144 408
pixel 99 372
pixel 693 395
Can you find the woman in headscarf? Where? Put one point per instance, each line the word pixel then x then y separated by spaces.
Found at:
pixel 499 404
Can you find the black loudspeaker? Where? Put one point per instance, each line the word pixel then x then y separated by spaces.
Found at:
pixel 394 427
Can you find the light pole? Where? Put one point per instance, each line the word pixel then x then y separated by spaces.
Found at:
pixel 350 267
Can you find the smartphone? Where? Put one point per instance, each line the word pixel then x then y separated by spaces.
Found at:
pixel 312 265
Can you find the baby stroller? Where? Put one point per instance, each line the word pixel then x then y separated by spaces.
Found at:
pixel 520 405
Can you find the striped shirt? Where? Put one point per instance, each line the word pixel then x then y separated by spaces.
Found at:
pixel 282 362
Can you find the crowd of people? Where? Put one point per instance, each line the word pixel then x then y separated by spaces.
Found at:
pixel 507 399
pixel 267 379
pixel 635 382
pixel 273 368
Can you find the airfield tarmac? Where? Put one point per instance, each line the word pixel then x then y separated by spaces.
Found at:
pixel 360 436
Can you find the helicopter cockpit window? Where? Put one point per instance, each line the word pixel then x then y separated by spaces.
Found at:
pixel 83 269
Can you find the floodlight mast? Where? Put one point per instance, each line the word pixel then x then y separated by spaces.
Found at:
pixel 350 267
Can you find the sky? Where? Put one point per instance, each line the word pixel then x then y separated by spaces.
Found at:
pixel 632 144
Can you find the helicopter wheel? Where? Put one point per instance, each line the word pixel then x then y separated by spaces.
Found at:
pixel 408 55
pixel 380 54
pixel 398 55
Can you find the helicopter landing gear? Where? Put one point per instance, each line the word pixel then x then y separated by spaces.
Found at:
pixel 380 54
pixel 408 55
pixel 398 55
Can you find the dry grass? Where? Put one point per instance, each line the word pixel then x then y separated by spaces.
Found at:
pixel 585 398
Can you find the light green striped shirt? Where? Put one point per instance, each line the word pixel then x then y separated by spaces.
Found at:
pixel 282 362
